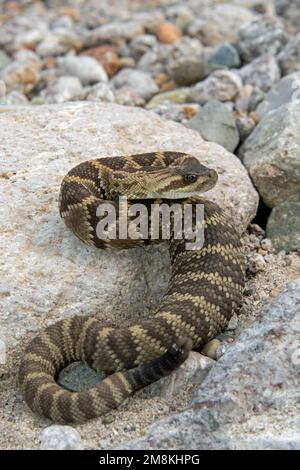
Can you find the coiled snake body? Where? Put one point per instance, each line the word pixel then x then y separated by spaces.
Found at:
pixel 205 287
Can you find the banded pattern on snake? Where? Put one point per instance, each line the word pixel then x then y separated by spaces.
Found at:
pixel 205 287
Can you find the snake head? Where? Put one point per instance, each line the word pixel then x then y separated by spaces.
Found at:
pixel 181 176
pixel 184 177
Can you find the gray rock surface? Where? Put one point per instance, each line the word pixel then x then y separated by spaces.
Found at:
pixel 249 99
pixel 215 122
pixel 219 23
pixel 283 226
pixel 186 62
pixel 221 85
pixel 290 12
pixel 60 438
pixel 262 72
pixel 78 377
pixel 271 154
pixel 245 125
pixel 48 274
pixel 225 56
pixel 250 399
pixel 284 92
pixel 263 35
pixel 257 96
pixel 289 57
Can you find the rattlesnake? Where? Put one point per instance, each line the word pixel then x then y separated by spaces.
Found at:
pixel 205 287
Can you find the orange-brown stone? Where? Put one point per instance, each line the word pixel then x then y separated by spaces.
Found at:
pixel 167 33
pixel 107 56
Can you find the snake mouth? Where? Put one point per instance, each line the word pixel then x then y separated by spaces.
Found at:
pixel 211 181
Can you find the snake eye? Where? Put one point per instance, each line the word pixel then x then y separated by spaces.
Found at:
pixel 190 178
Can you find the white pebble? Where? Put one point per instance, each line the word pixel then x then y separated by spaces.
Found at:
pixel 58 437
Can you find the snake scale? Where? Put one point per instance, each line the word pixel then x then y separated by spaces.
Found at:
pixel 205 287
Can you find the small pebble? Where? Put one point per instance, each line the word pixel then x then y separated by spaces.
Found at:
pixel 22 74
pixel 63 89
pixel 256 229
pixel 210 349
pixel 130 428
pixel 139 81
pixel 58 437
pixel 87 69
pixel 168 33
pixel 58 42
pixel 221 85
pixel 249 290
pixel 268 258
pixel 288 261
pixel 178 96
pixel 108 419
pixel 107 56
pixel 221 350
pixel 100 92
pixel 225 56
pixel 186 62
pixel 142 44
pixel 274 292
pixel 266 244
pixel 127 96
pixel 16 98
pixel 233 323
pixel 256 263
pixel 262 72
